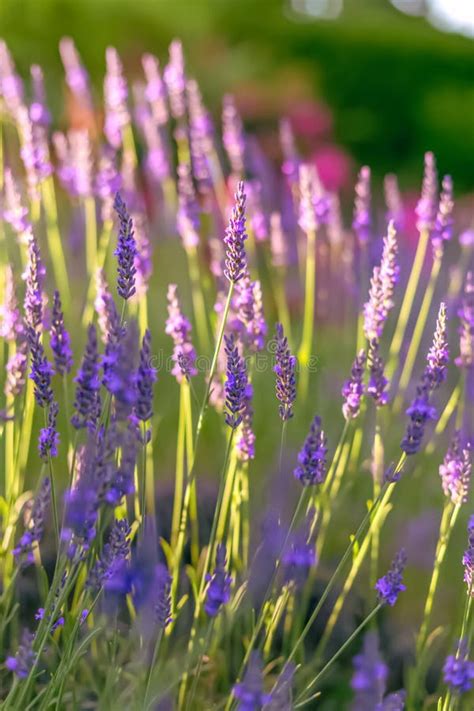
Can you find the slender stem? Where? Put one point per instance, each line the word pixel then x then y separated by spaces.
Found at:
pixel 143 482
pixel 199 666
pixel 199 305
pixel 377 474
pixel 407 303
pixel 54 241
pixel 413 349
pixel 156 649
pixel 302 702
pixel 179 472
pixel 91 235
pixel 309 308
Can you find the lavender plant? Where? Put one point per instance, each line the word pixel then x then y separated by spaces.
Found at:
pixel 130 572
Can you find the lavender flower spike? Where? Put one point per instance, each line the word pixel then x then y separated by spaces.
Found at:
pixel 76 76
pixel 458 671
pixel 426 208
pixel 24 659
pixel 249 692
pixel 284 369
pixel 370 675
pixel 49 437
pixel 59 339
pixel 311 469
pixel 218 591
pixel 443 227
pixel 362 221
pixel 23 551
pixel 10 320
pixel 353 388
pixel 455 471
pixel 163 597
pixel 235 236
pixel 126 251
pixel 117 116
pixel 233 135
pixel 466 329
pixel 34 277
pixel 235 384
pixel 438 355
pixel 382 285
pixel 87 402
pixel 115 552
pixel 468 558
pixel 245 445
pixel 146 377
pixel 16 370
pixel 377 380
pixel 41 369
pixel 179 328
pixel 390 585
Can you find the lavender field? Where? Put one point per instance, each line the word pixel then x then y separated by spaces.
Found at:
pixel 237 409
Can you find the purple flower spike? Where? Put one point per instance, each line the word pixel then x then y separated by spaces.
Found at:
pixel 284 369
pixel 443 228
pixel 249 692
pixel 468 558
pixel 233 136
pixel 218 591
pixel 34 277
pixel 155 90
pixel 117 116
pixel 245 445
pixel 33 534
pixel 114 554
pixel 201 137
pixel 15 213
pixel 179 328
pixel 87 402
pixel 41 370
pixel 455 471
pixel 235 384
pixel 314 204
pixel 311 469
pixel 120 374
pixel 10 320
pixel 146 377
pixel 458 671
pixel 175 80
pixel 438 355
pixel 188 210
pixel 49 436
pixel 11 86
pixel 353 388
pixel 466 329
pixel 126 251
pixel 393 200
pixel 16 370
pixel 39 113
pixel 59 339
pixel 426 208
pixel 23 661
pixel 77 78
pixel 378 383
pixel 163 597
pixel 370 675
pixel 235 236
pixel 382 286
pixel 362 222
pixel 390 585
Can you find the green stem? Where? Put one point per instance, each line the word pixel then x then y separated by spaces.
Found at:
pixel 54 241
pixel 199 305
pixel 91 235
pixel 154 658
pixel 309 308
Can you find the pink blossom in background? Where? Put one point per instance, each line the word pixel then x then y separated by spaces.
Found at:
pixel 334 166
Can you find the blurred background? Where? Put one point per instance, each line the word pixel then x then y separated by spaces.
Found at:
pixel 363 81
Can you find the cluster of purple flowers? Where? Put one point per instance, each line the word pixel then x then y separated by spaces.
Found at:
pixel 390 585
pixel 285 371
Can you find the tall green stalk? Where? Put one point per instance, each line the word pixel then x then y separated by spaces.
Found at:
pixel 305 349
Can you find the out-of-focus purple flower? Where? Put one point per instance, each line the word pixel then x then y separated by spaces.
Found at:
pixel 299 558
pixel 143 257
pixel 87 401
pixel 278 241
pixel 311 469
pixel 15 213
pixel 249 692
pixel 114 553
pixel 455 471
pixel 466 329
pixel 34 152
pixel 468 558
pixel 314 203
pixel 370 675
pixel 458 672
pixel 252 326
pixel 60 339
pixel 11 86
pixel 382 285
pixel 282 696
pixel 362 222
pixel 291 161
pixel 235 236
pixel 393 702
pixel 157 159
pixel 179 328
pixel 65 170
pixel 34 524
pixel 233 136
pixel 245 445
pixel 393 201
pixel 258 218
pixel 175 80
pixel 126 251
pixel 117 116
pixel 41 369
pixel 376 387
pixel 163 597
pixel 16 370
pixel 427 204
pixel 120 370
pixel 49 436
pixel 353 388
pixel 39 112
pixel 23 661
pixel 34 278
pixel 390 585
pixel 201 135
pixel 146 377
pixel 81 161
pixel 10 320
pixel 419 412
pixel 77 78
pixel 108 181
pixel 284 369
pixel 466 238
pixel 108 317
pixel 443 227
pixel 187 220
pixel 235 384
pixel 123 483
pixel 155 90
pixel 218 590
pixel 438 355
